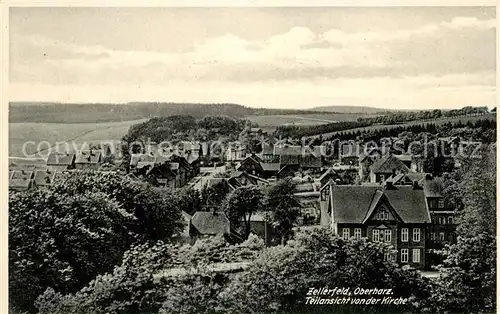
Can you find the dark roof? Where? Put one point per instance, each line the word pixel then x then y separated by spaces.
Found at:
pixel 288 150
pixel 207 223
pixel 351 203
pixel 387 164
pixel 310 162
pixel 60 159
pixel 431 188
pixel 270 166
pixel 44 177
pixel 289 159
pixel 88 157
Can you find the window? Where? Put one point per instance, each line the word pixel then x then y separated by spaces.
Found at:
pixel 345 233
pixel 416 255
pixel 404 235
pixel 441 203
pixel 442 220
pixel 375 235
pixel 416 235
pixel 450 220
pixel 387 235
pixel 404 255
pixel 382 214
pixel 357 233
pixel 441 236
pixel 433 236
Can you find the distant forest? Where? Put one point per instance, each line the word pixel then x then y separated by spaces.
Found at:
pixel 294 131
pixel 100 112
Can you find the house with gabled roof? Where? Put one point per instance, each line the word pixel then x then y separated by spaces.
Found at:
pixel 20 180
pixel 88 159
pixel 409 178
pixel 44 178
pixel 388 165
pixel 209 224
pixel 396 215
pixel 158 174
pixel 60 161
pixel 241 178
pixel 252 165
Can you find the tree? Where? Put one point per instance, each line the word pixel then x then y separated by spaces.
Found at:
pixel 62 241
pixel 280 200
pixel 239 206
pixel 279 280
pixel 468 276
pixel 155 209
pixel 129 288
pixel 139 283
pixel 64 236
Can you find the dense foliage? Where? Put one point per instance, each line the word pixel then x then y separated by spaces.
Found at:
pixel 277 278
pixel 343 130
pixel 240 205
pixel 284 208
pixel 64 236
pixel 401 117
pixel 468 274
pixel 178 128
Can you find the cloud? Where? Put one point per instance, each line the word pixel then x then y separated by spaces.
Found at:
pixel 461 45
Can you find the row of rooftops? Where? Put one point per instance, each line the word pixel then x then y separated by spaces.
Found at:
pixel 25 179
pixel 80 157
pixel 351 204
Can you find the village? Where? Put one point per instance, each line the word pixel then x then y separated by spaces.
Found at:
pixel 360 192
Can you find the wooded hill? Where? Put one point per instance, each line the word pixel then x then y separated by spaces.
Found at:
pixel 101 112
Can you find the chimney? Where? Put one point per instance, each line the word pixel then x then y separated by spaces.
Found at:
pixel 389 185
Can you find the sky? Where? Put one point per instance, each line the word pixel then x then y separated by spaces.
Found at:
pixel 392 57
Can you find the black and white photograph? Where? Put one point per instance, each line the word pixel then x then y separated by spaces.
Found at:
pixel 251 159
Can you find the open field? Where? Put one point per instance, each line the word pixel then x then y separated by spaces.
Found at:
pixel 436 122
pixel 273 121
pixel 38 136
